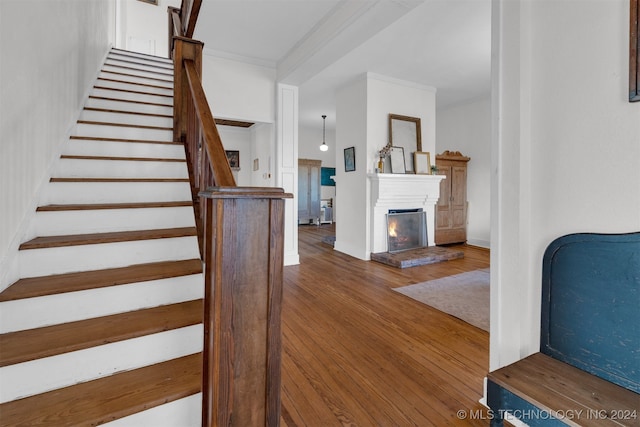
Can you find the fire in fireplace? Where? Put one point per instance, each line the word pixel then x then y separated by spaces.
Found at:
pixel 406 229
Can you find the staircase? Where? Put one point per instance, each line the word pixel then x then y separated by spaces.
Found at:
pixel 105 324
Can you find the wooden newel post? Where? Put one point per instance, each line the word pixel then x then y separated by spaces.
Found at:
pixel 183 49
pixel 244 241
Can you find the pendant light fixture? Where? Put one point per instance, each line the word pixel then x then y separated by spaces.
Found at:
pixel 324 146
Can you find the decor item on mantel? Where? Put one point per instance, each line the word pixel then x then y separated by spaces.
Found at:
pixel 383 154
pixel 406 132
pixel 451 210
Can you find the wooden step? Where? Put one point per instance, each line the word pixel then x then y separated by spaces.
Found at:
pixel 122 125
pixel 142 70
pixel 162 59
pixel 22 346
pixel 142 141
pixel 137 92
pixel 106 98
pixel 126 59
pixel 136 113
pixel 133 83
pixel 98 238
pixel 81 207
pixel 134 75
pixel 109 398
pixel 135 159
pixel 72 282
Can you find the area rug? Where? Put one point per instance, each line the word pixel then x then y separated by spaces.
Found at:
pixel 465 296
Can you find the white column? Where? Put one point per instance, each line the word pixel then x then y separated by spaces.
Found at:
pixel 287 165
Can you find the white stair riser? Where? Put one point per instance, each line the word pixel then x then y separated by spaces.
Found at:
pixel 39 376
pixel 135 56
pixel 60 223
pixel 133 87
pixel 120 132
pixel 70 307
pixel 123 118
pixel 84 147
pixel 69 259
pixel 128 106
pixel 164 72
pixel 63 193
pixel 186 412
pixel 71 168
pixel 109 93
pixel 133 72
pixel 165 83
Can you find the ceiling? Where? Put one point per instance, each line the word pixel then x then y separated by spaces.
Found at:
pixel 319 45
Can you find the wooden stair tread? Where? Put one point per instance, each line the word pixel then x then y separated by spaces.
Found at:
pixel 161 65
pixel 135 113
pixel 151 57
pixel 22 346
pixel 133 101
pixel 139 69
pixel 134 75
pixel 109 398
pixel 135 159
pixel 83 207
pixel 72 282
pixel 143 141
pixel 137 92
pixel 112 237
pixel 134 83
pixel 119 180
pixel 123 125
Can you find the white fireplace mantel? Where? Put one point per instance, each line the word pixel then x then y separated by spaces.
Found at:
pixel 401 191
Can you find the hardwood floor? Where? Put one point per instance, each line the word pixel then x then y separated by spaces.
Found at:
pixel 356 353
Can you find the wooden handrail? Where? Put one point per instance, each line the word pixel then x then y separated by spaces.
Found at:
pixel 222 175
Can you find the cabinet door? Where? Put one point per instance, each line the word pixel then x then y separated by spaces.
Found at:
pixel 443 216
pixel 458 195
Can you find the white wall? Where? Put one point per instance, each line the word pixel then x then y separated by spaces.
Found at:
pixel 351 217
pixel 262 136
pixel 310 140
pixel 239 90
pixel 142 26
pixel 566 148
pixel 467 128
pixel 236 138
pixel 51 51
pixel 362 114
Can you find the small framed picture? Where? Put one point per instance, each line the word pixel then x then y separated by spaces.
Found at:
pixel 422 163
pixel 234 158
pixel 397 160
pixel 350 159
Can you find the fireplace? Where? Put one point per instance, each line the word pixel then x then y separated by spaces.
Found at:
pixel 406 229
pixel 401 191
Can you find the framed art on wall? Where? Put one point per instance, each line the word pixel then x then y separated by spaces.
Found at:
pixel 234 158
pixel 350 159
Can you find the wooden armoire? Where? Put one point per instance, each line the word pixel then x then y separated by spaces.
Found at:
pixel 451 210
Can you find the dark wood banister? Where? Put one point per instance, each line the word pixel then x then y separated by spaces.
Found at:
pixel 241 231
